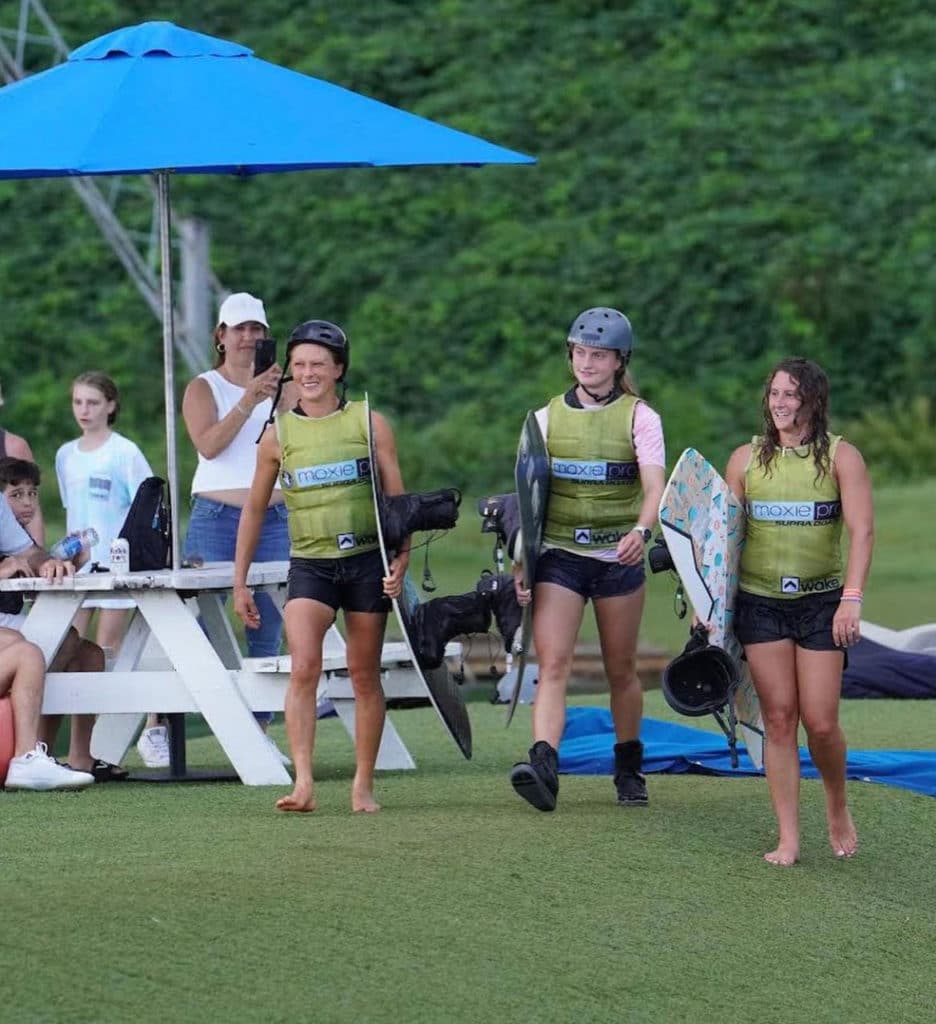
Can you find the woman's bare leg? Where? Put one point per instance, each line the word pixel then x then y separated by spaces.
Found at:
pixel 306 623
pixel 820 686
pixel 364 635
pixel 556 623
pixel 773 669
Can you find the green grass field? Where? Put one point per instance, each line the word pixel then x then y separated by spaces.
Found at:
pixel 459 903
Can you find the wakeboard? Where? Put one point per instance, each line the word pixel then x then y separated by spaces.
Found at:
pixel 443 691
pixel 703 525
pixel 531 478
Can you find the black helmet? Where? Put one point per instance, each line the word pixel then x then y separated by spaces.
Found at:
pixel 602 327
pixel 700 681
pixel 322 332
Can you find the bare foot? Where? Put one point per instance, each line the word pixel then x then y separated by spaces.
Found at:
pixel 843 836
pixel 785 855
pixel 301 799
pixel 362 800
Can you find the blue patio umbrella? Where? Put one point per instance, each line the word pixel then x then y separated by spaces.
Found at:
pixel 156 98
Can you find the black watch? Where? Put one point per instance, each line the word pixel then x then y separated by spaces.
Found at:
pixel 645 533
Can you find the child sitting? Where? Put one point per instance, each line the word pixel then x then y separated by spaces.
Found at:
pixel 19 483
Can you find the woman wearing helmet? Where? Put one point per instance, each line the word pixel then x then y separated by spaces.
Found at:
pixel 319 453
pixel 797 610
pixel 224 411
pixel 606 478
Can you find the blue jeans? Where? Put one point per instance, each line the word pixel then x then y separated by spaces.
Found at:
pixel 212 534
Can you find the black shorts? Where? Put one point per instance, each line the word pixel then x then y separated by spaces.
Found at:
pixel 354 584
pixel 588 577
pixel 807 621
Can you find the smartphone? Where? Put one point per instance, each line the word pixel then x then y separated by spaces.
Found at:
pixel 265 355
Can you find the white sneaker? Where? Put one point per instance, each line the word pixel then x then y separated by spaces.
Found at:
pixel 276 750
pixel 153 746
pixel 36 770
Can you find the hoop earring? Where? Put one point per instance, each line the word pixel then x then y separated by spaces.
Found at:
pixel 219 348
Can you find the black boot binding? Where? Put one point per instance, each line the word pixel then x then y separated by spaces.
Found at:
pixel 629 783
pixel 437 621
pixel 537 780
pixel 498 590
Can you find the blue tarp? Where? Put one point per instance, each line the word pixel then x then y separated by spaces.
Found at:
pixel 588 742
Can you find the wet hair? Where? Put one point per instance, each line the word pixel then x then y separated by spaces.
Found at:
pixel 18 471
pixel 812 388
pixel 104 384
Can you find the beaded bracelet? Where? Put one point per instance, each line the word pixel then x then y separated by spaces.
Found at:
pixel 242 410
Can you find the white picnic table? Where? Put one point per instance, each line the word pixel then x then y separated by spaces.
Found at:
pixel 168 664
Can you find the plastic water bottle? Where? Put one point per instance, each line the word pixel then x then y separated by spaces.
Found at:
pixel 120 555
pixel 72 544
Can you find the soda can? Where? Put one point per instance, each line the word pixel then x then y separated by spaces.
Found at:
pixel 120 555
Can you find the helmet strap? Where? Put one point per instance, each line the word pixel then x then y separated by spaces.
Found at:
pixel 615 392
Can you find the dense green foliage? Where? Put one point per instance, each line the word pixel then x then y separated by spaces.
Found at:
pixel 745 179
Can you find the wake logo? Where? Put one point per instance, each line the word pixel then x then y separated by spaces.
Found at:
pixel 795 585
pixel 594 472
pixel 328 474
pixel 587 536
pixel 347 541
pixel 795 512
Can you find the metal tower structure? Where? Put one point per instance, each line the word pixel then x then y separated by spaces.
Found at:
pixel 35 44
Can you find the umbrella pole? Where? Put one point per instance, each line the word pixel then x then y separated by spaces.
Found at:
pixel 165 254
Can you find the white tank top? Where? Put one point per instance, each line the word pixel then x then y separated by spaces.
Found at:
pixel 234 467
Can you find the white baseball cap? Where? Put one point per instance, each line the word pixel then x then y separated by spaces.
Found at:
pixel 240 308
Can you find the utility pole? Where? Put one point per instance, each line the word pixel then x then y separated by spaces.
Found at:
pixel 36 43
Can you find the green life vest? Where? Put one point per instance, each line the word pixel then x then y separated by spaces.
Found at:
pixel 792 545
pixel 594 483
pixel 325 473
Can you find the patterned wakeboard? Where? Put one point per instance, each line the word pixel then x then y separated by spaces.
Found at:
pixel 703 525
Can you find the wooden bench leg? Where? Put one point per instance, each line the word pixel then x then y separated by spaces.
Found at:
pixel 113 734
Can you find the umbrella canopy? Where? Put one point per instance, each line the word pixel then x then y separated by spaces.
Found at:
pixel 158 98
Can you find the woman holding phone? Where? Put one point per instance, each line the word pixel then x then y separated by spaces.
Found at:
pixel 225 410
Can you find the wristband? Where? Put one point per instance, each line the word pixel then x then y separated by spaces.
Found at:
pixel 242 410
pixel 848 597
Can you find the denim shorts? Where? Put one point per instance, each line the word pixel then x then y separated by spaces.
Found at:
pixel 807 621
pixel 354 584
pixel 212 535
pixel 588 577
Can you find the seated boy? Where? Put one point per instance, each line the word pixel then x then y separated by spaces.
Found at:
pixel 19 483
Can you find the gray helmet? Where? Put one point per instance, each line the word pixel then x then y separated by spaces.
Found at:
pixel 322 332
pixel 602 327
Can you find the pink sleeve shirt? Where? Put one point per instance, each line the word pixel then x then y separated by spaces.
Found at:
pixel 648 436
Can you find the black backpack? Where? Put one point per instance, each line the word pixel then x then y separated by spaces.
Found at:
pixel 146 528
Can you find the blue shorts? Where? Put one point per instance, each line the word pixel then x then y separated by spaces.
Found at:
pixel 354 584
pixel 588 577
